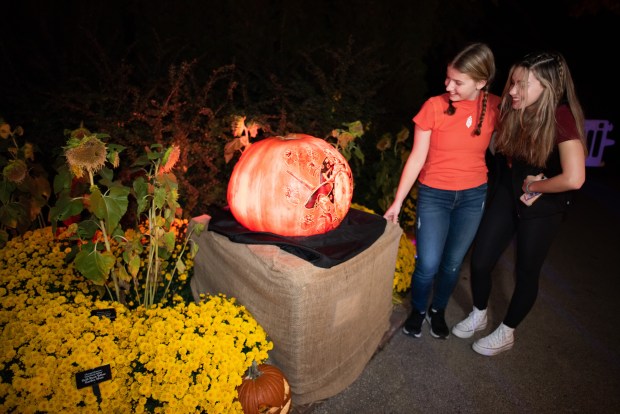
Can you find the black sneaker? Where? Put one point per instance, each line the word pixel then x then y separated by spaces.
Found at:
pixel 413 324
pixel 437 321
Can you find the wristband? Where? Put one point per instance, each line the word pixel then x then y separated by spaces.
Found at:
pixel 527 186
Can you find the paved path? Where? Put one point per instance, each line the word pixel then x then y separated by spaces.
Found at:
pixel 566 357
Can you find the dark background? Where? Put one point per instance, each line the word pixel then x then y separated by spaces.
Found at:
pixel 48 48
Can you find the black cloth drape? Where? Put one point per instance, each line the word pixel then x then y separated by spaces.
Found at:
pixel 358 231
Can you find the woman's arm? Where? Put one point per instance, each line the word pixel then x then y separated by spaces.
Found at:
pixel 573 174
pixel 413 166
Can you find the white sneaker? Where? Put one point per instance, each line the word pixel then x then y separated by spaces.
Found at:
pixel 476 321
pixel 500 340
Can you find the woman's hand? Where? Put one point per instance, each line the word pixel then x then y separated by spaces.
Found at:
pixel 415 162
pixel 527 183
pixel 392 213
pixel 573 175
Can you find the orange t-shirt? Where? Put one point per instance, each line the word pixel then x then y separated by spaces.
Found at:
pixel 455 159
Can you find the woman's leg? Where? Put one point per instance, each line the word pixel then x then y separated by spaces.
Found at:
pixel 432 223
pixel 534 239
pixel 464 220
pixel 494 235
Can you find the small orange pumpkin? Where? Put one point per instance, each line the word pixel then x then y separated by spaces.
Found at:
pixel 297 185
pixel 264 390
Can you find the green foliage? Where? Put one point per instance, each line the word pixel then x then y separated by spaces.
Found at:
pixel 94 265
pixel 111 207
pixel 380 176
pixel 345 141
pixel 393 152
pixel 24 189
pixel 192 115
pixel 191 102
pixel 95 209
pixel 318 91
pixel 328 87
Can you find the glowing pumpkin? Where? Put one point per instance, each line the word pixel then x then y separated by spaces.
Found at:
pixel 264 390
pixel 296 185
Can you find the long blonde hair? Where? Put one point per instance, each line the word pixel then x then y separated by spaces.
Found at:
pixel 530 133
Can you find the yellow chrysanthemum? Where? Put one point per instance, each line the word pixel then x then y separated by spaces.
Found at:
pixel 184 356
pixel 405 264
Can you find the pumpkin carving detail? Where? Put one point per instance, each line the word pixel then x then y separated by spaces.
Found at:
pixel 264 390
pixel 297 185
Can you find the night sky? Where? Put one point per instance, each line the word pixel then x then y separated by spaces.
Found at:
pixel 48 45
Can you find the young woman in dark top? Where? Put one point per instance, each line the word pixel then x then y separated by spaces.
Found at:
pixel 540 157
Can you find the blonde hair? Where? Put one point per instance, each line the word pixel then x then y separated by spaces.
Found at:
pixel 477 62
pixel 529 133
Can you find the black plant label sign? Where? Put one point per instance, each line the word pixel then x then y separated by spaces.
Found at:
pixel 93 377
pixel 107 313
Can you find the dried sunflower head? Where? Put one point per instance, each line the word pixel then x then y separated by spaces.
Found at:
pixel 5 130
pixel 385 142
pixel 402 136
pixel 344 139
pixel 15 171
pixel 86 155
pixel 29 151
pixel 80 133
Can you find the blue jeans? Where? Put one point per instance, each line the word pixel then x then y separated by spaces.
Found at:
pixel 446 224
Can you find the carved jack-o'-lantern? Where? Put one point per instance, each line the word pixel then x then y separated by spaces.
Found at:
pixel 296 185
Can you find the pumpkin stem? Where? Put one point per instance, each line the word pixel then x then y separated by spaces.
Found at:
pixel 291 137
pixel 253 371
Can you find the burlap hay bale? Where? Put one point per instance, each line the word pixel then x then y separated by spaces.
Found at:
pixel 325 323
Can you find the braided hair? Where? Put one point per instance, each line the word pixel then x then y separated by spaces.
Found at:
pixel 476 61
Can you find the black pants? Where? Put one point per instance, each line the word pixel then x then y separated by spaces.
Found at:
pixel 499 225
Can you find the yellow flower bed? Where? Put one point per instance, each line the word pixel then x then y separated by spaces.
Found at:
pixel 405 264
pixel 181 358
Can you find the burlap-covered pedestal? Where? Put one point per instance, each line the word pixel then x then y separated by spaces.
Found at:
pixel 325 323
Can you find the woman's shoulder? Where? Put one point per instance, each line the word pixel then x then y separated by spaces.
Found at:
pixel 565 121
pixel 494 100
pixel 435 104
pixel 439 99
pixel 563 112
